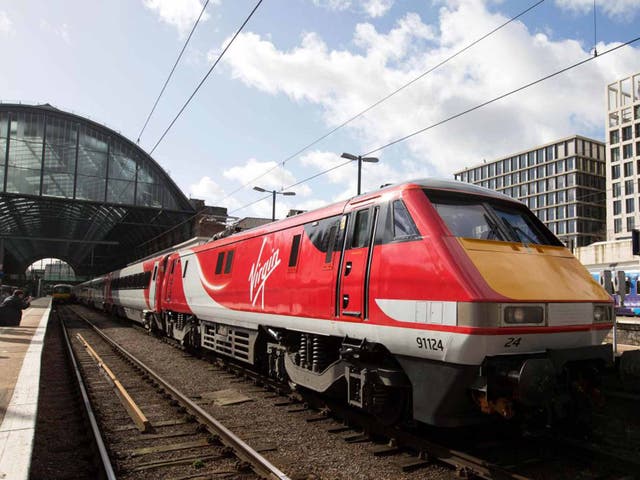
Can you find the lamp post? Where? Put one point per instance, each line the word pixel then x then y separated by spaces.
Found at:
pixel 359 159
pixel 274 193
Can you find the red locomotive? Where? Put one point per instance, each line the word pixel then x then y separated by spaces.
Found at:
pixel 432 298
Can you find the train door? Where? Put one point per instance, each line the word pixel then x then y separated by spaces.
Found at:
pixel 353 278
pixel 152 286
pixel 168 283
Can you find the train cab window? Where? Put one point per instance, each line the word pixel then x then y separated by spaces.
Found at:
pixel 219 263
pixel 295 249
pixel 147 278
pixel 491 219
pixel 361 230
pixel 229 263
pixel 186 265
pixel 403 226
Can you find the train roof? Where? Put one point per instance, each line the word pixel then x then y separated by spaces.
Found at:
pixel 338 208
pixel 461 187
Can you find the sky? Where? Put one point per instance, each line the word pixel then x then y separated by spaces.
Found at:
pixel 301 68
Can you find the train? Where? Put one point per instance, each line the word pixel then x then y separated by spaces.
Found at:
pixel 431 300
pixel 62 293
pixel 624 288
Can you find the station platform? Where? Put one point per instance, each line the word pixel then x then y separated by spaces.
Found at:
pixel 20 354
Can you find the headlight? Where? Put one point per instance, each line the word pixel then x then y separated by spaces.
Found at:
pixel 602 313
pixel 523 315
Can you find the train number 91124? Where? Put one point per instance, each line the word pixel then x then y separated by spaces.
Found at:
pixel 429 343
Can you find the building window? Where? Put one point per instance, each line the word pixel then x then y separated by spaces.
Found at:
pixel 627 151
pixel 614 137
pixel 626 115
pixel 617 225
pixel 631 223
pixel 616 190
pixel 626 133
pixel 617 207
pixel 628 169
pixel 571 211
pixel 615 172
pixel 630 204
pixel 628 187
pixel 615 154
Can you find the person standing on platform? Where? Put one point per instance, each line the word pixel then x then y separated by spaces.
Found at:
pixel 11 308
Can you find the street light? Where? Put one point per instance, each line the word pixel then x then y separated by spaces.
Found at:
pixel 360 159
pixel 274 192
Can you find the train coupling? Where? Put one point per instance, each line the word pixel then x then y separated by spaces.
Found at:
pixel 531 383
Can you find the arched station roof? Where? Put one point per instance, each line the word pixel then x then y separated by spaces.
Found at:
pixel 73 189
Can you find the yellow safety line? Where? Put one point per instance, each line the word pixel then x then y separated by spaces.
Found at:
pixel 132 408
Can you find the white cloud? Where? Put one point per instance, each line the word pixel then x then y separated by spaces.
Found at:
pixel 6 26
pixel 377 8
pixel 618 9
pixel 181 14
pixel 272 177
pixel 372 8
pixel 61 31
pixel 342 83
pixel 336 5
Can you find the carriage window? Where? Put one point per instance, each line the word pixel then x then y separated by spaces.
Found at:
pixel 155 271
pixel 295 248
pixel 227 266
pixel 219 263
pixel 184 272
pixel 403 225
pixel 361 230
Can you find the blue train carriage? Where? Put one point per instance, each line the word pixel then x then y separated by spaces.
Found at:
pixel 622 285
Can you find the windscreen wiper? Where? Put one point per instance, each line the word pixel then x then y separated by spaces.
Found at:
pixel 519 233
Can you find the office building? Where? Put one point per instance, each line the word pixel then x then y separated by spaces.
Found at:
pixel 563 182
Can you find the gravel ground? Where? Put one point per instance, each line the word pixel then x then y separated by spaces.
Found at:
pixel 301 449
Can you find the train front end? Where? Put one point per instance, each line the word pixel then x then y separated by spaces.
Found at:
pixel 530 321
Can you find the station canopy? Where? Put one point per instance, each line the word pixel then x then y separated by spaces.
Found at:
pixel 76 190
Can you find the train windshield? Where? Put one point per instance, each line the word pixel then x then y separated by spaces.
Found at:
pixel 62 289
pixel 488 219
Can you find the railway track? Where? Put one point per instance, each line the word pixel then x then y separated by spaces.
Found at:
pixel 476 454
pixel 174 437
pixel 80 453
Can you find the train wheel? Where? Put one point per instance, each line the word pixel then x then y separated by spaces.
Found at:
pixel 388 404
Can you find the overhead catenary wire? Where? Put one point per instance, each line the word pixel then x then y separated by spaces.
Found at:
pixel 385 98
pixel 500 97
pixel 206 76
pixel 469 110
pixel 184 47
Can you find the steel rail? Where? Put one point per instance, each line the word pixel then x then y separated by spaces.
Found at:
pixel 241 449
pixel 104 456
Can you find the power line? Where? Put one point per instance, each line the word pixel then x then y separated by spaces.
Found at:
pixel 206 76
pixel 495 99
pixel 499 97
pixel 385 98
pixel 295 184
pixel 172 70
